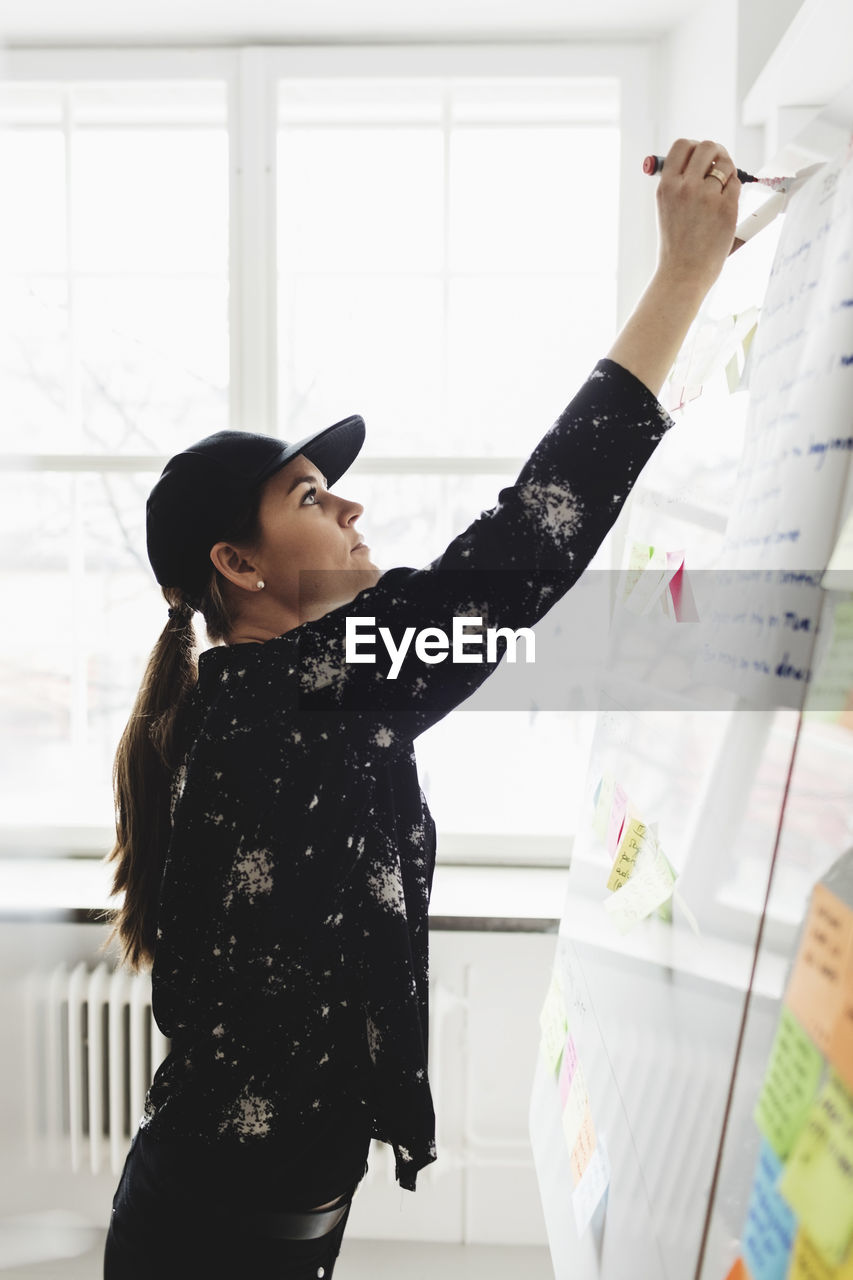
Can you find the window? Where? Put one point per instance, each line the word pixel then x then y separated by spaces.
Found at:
pixel 439 275
pixel 436 272
pixel 115 283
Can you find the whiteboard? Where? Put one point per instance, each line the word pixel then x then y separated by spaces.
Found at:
pixel 672 1027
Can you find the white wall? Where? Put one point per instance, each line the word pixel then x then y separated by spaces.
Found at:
pixel 709 62
pixel 699 75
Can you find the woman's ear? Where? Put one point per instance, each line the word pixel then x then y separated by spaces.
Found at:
pixel 233 565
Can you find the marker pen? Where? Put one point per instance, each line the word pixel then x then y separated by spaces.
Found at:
pixel 654 164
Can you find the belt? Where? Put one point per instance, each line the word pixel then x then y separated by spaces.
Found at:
pixel 309 1224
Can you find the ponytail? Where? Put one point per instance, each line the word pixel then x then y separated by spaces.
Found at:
pixel 148 753
pixel 150 750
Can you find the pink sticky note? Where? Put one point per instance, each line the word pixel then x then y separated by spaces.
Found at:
pixel 617 818
pixel 680 592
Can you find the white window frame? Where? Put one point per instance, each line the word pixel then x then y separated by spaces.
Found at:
pixel 251 75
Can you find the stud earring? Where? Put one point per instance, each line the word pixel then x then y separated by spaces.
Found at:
pixel 261 584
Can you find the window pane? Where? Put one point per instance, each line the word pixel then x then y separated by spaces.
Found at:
pixel 32 210
pixel 497 797
pixel 580 100
pixel 363 101
pixel 172 103
pixel 154 362
pixel 150 200
pixel 359 199
pixel 521 199
pixel 121 343
pixel 518 349
pixel 36 658
pixel 87 614
pixel 34 359
pixel 348 344
pixel 456 307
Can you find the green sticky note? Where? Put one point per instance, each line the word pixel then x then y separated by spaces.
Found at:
pixel 553 1025
pixel 791 1082
pixel 818 1179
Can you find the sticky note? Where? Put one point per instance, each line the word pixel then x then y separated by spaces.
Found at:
pixel 790 1084
pixel 768 1234
pixel 831 688
pixel 840 1053
pixel 807 1263
pixel 680 590
pixel 553 1024
pixel 738 1271
pixel 818 1178
pixel 567 1069
pixel 575 1109
pixel 589 1192
pixel 816 988
pixel 603 801
pixel 650 885
pixel 584 1147
pixel 633 838
pixel 639 559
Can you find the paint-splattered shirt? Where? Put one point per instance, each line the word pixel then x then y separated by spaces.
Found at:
pixel 291 966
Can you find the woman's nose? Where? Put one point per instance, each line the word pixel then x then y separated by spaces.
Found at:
pixel 352 510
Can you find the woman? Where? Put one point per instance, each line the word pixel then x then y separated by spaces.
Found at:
pixel 274 846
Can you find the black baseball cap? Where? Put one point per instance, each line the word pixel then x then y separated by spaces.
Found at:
pixel 208 486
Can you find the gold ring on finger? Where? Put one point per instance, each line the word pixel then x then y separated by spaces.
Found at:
pixel 719 175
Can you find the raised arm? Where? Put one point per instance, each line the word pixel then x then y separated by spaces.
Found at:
pixel 519 557
pixel 697 216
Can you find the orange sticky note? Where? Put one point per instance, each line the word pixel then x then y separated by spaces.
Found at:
pixel 841 1038
pixel 584 1146
pixel 817 986
pixel 738 1271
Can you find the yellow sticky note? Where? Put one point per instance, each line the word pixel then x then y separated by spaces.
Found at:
pixel 649 886
pixel 818 1178
pixel 632 841
pixel 639 559
pixel 815 989
pixel 807 1264
pixel 790 1085
pixel 553 1024
pixel 830 694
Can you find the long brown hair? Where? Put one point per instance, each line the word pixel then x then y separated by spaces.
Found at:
pixel 150 751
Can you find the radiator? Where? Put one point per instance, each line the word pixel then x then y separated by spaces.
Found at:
pixel 92 1048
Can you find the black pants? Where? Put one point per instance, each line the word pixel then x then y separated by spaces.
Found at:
pixel 155 1235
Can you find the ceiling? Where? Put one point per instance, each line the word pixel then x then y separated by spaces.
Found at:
pixel 246 21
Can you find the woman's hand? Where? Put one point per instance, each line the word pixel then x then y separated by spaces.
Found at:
pixel 697 216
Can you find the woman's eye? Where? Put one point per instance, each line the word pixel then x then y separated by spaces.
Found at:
pixel 311 493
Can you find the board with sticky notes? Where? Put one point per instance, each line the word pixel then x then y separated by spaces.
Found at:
pixel 799 1221
pixel 691 1114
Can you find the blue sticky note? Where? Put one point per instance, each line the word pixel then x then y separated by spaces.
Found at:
pixel 768 1235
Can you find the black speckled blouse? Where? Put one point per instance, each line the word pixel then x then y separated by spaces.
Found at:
pixel 292 954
